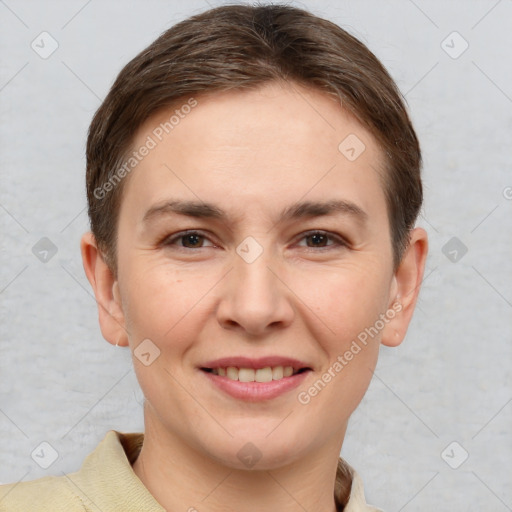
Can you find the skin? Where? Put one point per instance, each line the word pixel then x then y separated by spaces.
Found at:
pixel 252 153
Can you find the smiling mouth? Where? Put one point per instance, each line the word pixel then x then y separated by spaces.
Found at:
pixel 266 374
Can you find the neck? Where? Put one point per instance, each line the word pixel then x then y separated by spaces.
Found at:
pixel 183 479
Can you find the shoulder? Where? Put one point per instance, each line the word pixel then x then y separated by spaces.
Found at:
pixel 105 481
pixel 44 495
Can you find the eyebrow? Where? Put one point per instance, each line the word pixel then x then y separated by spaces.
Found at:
pixel 299 210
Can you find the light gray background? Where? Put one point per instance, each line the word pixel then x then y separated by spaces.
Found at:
pixel 450 380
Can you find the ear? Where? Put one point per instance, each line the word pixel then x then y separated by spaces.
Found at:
pixel 106 291
pixel 405 288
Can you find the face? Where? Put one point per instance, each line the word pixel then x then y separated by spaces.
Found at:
pixel 250 238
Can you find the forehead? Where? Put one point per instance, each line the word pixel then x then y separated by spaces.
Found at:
pixel 255 148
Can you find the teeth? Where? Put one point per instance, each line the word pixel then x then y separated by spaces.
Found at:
pixel 246 375
pixel 232 373
pixel 266 374
pixel 277 373
pixel 263 374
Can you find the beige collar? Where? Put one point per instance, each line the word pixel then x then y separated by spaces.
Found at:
pixel 112 462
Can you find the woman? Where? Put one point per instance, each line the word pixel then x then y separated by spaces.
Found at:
pixel 253 182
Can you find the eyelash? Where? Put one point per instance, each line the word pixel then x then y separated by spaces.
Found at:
pixel 338 240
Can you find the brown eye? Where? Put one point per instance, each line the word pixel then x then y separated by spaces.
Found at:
pixel 321 240
pixel 318 240
pixel 191 240
pixel 187 240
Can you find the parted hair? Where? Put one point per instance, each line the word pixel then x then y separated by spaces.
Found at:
pixel 236 47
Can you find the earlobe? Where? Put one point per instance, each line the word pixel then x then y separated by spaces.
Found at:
pixel 406 286
pixel 106 292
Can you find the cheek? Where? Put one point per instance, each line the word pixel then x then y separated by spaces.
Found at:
pixel 163 305
pixel 360 301
pixel 347 300
pixel 161 300
pixel 350 307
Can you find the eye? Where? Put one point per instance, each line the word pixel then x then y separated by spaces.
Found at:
pixel 319 239
pixel 196 240
pixel 189 240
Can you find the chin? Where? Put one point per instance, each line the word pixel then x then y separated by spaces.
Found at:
pixel 257 451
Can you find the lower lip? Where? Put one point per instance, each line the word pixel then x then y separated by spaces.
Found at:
pixel 256 391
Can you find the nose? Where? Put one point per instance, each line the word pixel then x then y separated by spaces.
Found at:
pixel 255 298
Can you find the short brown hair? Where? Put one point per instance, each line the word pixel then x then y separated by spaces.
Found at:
pixel 243 47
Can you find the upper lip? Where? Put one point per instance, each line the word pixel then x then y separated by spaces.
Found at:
pixel 256 363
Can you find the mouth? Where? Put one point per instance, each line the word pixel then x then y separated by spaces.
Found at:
pixel 265 374
pixel 255 379
pixel 262 369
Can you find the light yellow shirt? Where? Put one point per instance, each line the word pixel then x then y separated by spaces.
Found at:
pixel 106 482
